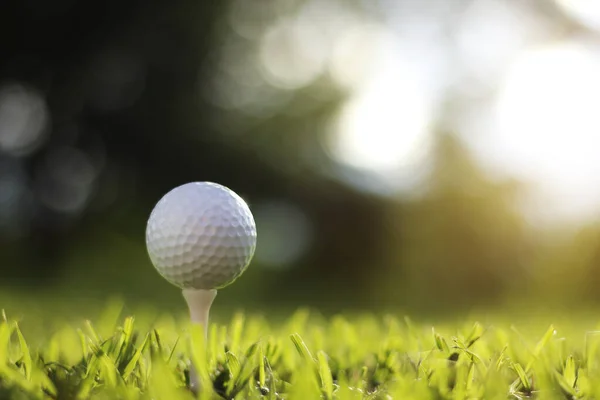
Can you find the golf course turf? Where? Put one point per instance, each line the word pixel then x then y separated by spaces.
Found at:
pixel 302 357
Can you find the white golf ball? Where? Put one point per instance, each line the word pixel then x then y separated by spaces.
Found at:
pixel 201 235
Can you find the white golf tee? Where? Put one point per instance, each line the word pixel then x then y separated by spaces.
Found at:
pixel 199 302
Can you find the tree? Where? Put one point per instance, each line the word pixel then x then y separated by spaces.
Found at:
pixel 463 241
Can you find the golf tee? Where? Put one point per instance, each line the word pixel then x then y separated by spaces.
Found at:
pixel 199 302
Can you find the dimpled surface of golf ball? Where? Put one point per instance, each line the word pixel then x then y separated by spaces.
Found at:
pixel 201 235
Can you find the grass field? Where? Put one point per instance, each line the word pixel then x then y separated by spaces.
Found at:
pixel 305 356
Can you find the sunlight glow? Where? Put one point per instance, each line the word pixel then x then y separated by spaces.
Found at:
pixel 384 126
pixel 292 54
pixel 586 11
pixel 490 34
pixel 549 125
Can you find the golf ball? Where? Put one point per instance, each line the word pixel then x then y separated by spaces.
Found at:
pixel 201 235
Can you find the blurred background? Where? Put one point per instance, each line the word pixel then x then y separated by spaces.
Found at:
pixel 420 155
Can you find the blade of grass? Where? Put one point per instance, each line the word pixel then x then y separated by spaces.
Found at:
pixel 301 347
pixel 27 363
pixel 325 374
pixel 540 346
pixel 136 357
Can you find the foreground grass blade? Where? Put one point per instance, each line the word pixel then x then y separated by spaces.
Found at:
pixel 343 358
pixel 301 347
pixel 540 345
pixel 325 374
pixel 27 363
pixel 136 358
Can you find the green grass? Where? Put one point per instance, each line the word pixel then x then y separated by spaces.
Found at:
pixel 303 357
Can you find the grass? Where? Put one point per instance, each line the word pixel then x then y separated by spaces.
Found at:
pixel 303 357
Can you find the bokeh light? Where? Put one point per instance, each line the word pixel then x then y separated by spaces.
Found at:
pixel 355 54
pixel 586 12
pixel 24 119
pixel 293 54
pixel 489 36
pixel 384 128
pixel 65 180
pixel 548 125
pixel 285 229
pixel 249 19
